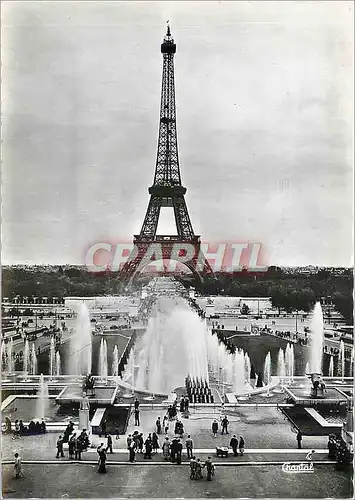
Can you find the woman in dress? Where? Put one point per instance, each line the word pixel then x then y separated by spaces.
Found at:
pixel 155 442
pixel 102 461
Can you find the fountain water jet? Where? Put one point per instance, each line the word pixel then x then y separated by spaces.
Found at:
pixel 290 362
pixel 81 343
pixel 33 360
pixel 42 402
pixel 115 361
pixel 316 340
pixel 173 347
pixel 52 357
pixel 57 363
pixel 103 368
pixel 10 356
pixel 267 372
pixel 281 366
pixel 331 366
pixel 26 358
pixel 239 372
pixel 341 361
pixel 247 368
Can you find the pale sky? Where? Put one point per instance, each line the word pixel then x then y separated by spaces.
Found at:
pixel 264 114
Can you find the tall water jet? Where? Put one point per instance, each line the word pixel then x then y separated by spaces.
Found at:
pixel 52 357
pixel 10 356
pixel 247 367
pixel 57 364
pixel 316 340
pixel 42 402
pixel 267 372
pixel 173 347
pixel 3 357
pixel 292 361
pixel 33 360
pixel 103 369
pixel 239 371
pixel 331 366
pixel 115 361
pixel 351 374
pixel 26 358
pixel 281 366
pixel 341 361
pixel 80 356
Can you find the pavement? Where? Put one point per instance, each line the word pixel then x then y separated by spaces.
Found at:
pixel 257 474
pixel 167 481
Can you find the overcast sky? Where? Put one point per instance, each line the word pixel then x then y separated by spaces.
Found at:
pixel 264 116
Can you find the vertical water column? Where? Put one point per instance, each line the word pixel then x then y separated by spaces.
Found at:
pixel 42 402
pixel 341 361
pixel 10 356
pixel 26 358
pixel 33 360
pixel 267 371
pixel 103 369
pixel 331 366
pixel 316 340
pixel 281 366
pixel 52 357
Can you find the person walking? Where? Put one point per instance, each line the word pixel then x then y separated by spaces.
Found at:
pixel 198 469
pixel 136 417
pixel 225 423
pixel 78 448
pixel 132 451
pixel 241 445
pixel 129 440
pixel 155 442
pixel 234 445
pixel 148 447
pixel 136 404
pixel 18 466
pixel 109 444
pixel 215 427
pixel 60 451
pixel 173 449
pixel 178 451
pixel 158 425
pixel 102 461
pixel 189 446
pixel 140 442
pixel 166 425
pixel 166 449
pixel 193 468
pixel 299 439
pixel 71 446
pixel 210 468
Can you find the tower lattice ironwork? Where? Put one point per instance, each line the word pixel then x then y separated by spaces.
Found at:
pixel 167 189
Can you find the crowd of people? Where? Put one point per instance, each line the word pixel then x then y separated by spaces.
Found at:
pixel 19 429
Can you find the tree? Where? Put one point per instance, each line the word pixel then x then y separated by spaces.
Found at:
pixel 245 310
pixel 343 303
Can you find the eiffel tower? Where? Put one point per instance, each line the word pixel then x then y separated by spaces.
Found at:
pixel 167 191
